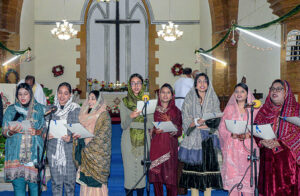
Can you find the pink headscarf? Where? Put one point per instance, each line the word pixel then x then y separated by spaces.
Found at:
pixel 232 112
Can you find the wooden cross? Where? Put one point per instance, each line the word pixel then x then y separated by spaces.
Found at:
pixel 117 22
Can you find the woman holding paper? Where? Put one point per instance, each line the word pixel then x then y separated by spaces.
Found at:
pixel 279 158
pixel 235 147
pixel 92 155
pixel 200 150
pixel 59 151
pixel 21 145
pixel 164 146
pixel 132 142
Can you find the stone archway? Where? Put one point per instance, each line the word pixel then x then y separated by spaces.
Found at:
pixel 82 48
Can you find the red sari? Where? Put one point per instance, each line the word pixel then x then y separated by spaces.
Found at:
pixel 279 167
pixel 164 147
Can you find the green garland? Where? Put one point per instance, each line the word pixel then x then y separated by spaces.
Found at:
pixel 262 26
pixel 13 52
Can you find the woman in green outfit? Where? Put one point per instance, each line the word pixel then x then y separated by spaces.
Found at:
pixel 132 142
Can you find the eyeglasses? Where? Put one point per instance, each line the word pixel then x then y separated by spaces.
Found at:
pixel 135 84
pixel 278 89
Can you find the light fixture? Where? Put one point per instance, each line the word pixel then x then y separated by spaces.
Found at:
pixel 64 30
pixel 11 60
pixel 170 32
pixel 213 58
pixel 259 37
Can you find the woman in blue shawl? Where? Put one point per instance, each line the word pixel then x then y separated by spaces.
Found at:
pixel 22 142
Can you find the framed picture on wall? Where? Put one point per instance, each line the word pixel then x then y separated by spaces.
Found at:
pixel 8 93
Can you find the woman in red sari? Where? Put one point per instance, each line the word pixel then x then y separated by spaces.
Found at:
pixel 279 158
pixel 164 146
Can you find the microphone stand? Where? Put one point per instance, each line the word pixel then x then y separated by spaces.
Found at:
pixel 253 158
pixel 40 165
pixel 146 162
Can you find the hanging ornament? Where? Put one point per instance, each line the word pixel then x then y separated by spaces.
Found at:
pixel 233 42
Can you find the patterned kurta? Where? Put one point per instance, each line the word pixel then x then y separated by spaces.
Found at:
pixel 94 158
pixel 21 149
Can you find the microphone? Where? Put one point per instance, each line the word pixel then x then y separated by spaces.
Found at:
pixel 146 98
pixel 52 110
pixel 255 104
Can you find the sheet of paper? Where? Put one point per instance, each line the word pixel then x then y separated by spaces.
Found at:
pixel 263 131
pixel 25 124
pixel 236 126
pixel 151 106
pixel 166 126
pixel 79 130
pixel 208 116
pixel 295 120
pixel 58 128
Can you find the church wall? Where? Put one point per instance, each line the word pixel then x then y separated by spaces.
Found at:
pixel 50 51
pixel 260 67
pixel 27 35
pixel 205 34
pixel 180 51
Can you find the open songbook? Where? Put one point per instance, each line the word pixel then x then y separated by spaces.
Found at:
pixel 294 119
pixel 151 106
pixel 236 126
pixel 208 116
pixel 263 131
pixel 25 124
pixel 57 128
pixel 78 129
pixel 166 126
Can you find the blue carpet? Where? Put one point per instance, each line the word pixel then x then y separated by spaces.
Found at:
pixel 116 179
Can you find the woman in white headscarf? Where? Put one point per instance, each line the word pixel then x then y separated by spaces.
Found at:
pixel 59 152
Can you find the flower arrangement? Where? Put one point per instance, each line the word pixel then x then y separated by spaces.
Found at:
pixel 113 110
pixel 177 69
pixel 49 95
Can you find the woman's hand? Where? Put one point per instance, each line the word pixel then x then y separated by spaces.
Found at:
pixel 135 114
pixel 270 143
pixel 201 122
pixel 192 124
pixel 76 136
pixel 14 129
pixel 34 131
pixel 66 138
pixel 173 133
pixel 50 136
pixel 242 137
pixel 158 131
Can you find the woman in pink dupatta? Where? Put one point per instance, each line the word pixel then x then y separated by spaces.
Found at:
pixel 235 148
pixel 164 146
pixel 279 158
